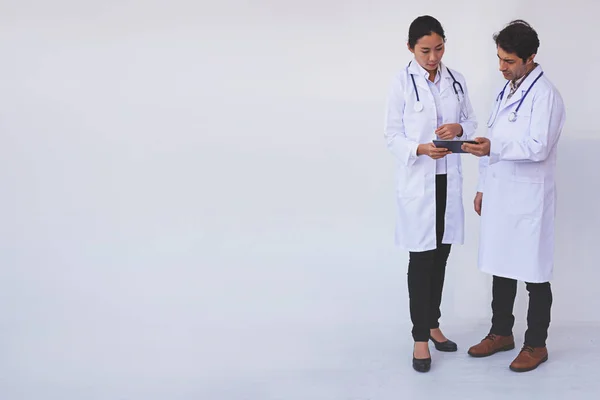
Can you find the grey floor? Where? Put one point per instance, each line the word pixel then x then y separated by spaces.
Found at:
pixel 374 364
pixel 326 359
pixel 309 337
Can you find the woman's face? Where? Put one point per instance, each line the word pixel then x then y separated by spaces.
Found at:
pixel 429 51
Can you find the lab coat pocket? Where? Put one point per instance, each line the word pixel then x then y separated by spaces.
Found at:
pixel 526 191
pixel 528 172
pixel 411 183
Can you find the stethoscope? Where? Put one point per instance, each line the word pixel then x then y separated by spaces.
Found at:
pixel 419 106
pixel 512 117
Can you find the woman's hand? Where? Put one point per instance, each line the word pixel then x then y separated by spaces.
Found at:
pixel 430 150
pixel 449 131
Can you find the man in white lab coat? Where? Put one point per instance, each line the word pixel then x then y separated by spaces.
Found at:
pixel 516 196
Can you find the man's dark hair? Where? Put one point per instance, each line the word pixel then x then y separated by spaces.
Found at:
pixel 424 25
pixel 518 37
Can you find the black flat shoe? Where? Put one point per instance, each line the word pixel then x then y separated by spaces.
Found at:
pixel 421 365
pixel 448 345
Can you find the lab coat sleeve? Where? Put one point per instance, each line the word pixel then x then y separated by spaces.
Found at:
pixel 469 124
pixel 403 149
pixel 544 129
pixel 483 166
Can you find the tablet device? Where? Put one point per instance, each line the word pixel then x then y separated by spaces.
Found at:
pixel 453 145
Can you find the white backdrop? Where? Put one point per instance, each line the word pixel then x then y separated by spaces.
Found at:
pixel 195 194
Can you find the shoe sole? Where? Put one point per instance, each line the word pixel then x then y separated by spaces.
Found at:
pixel 529 369
pixel 445 350
pixel 425 370
pixel 505 348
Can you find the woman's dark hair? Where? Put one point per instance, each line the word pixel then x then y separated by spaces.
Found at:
pixel 424 25
pixel 518 37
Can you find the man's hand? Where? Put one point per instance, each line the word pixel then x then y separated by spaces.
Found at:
pixel 477 202
pixel 449 131
pixel 482 148
pixel 430 150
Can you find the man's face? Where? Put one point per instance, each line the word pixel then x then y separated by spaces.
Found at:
pixel 511 66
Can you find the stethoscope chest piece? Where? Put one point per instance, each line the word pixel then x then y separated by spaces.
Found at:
pixel 418 106
pixel 512 117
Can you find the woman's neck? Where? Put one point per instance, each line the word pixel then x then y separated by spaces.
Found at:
pixel 432 74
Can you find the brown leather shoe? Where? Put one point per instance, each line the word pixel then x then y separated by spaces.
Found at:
pixel 529 358
pixel 492 344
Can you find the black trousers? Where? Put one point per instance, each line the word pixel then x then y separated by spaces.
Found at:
pixel 504 291
pixel 426 272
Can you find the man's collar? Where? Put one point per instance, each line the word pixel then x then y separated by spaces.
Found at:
pixel 514 84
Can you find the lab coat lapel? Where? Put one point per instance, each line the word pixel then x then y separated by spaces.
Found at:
pixel 446 79
pixel 515 98
pixel 522 89
pixel 419 74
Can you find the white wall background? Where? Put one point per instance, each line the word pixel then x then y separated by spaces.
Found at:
pixel 195 194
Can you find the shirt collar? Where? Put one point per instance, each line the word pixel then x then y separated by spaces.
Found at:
pixel 514 85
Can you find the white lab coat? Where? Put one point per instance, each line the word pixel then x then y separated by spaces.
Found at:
pixel 405 129
pixel 518 184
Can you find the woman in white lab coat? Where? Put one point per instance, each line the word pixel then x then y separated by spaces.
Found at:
pixel 428 101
